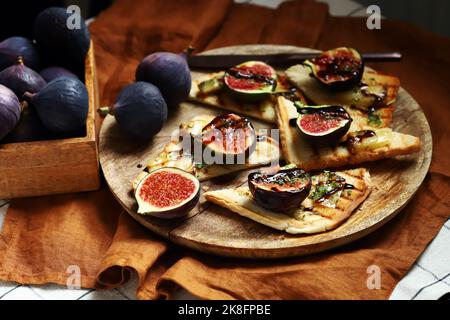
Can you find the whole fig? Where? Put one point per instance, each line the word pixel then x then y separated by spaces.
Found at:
pixel 29 128
pixel 169 72
pixel 51 73
pixel 20 79
pixel 62 105
pixel 14 47
pixel 9 111
pixel 62 37
pixel 140 110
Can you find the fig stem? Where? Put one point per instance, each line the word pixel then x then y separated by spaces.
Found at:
pixel 19 60
pixel 23 105
pixel 189 50
pixel 104 111
pixel 28 96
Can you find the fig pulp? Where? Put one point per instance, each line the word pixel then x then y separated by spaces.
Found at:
pixel 323 124
pixel 250 81
pixel 281 191
pixel 20 79
pixel 167 193
pixel 52 73
pixel 229 135
pixel 62 105
pixel 14 47
pixel 169 72
pixel 9 111
pixel 339 69
pixel 140 110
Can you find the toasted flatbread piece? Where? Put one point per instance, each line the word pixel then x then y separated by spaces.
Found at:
pixel 297 150
pixel 318 217
pixel 357 100
pixel 262 110
pixel 174 154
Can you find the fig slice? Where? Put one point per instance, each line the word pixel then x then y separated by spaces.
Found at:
pixel 281 191
pixel 323 124
pixel 167 193
pixel 340 68
pixel 229 135
pixel 250 81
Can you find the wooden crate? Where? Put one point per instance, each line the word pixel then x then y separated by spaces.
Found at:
pixel 56 166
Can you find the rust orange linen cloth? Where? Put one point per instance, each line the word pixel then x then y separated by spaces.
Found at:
pixel 41 237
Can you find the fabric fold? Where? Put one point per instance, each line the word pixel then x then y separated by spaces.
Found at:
pixel 132 249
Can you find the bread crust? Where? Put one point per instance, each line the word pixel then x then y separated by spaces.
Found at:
pixel 355 104
pixel 309 157
pixel 321 219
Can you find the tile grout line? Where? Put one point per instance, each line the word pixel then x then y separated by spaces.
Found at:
pixel 122 294
pixel 9 291
pixel 431 272
pixel 35 292
pixel 429 285
pixel 85 294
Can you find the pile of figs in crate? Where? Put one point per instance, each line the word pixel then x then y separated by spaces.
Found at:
pixel 42 93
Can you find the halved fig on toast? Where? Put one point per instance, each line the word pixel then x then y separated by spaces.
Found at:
pixel 167 193
pixel 229 135
pixel 339 68
pixel 250 81
pixel 323 124
pixel 281 191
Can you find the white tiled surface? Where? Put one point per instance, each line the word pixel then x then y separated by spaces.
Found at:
pixel 428 279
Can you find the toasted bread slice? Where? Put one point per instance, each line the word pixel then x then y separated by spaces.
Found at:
pixel 297 150
pixel 310 217
pixel 262 110
pixel 356 100
pixel 174 155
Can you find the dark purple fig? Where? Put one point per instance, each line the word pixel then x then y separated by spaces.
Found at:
pixel 339 68
pixel 12 48
pixel 62 105
pixel 60 40
pixel 140 110
pixel 323 124
pixel 169 72
pixel 20 79
pixel 229 135
pixel 251 81
pixel 282 191
pixel 167 193
pixel 29 128
pixel 9 111
pixel 52 73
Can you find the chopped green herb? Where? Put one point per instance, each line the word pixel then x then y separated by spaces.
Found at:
pixel 199 165
pixel 211 85
pixel 374 119
pixel 298 104
pixel 328 183
pixel 288 166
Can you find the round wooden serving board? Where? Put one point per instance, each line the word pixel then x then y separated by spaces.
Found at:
pixel 212 229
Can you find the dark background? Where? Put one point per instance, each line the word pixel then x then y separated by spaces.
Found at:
pixel 16 16
pixel 433 15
